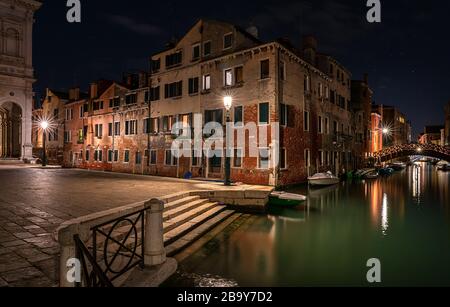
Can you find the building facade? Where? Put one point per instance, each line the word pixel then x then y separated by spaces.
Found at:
pixel 447 125
pixel 376 142
pixel 431 135
pixel 299 100
pixel 16 77
pixel 399 128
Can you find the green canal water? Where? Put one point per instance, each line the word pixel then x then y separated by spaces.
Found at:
pixel 403 220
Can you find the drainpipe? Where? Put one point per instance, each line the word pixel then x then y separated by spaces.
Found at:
pixel 278 98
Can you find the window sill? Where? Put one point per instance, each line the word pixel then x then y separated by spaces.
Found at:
pixel 193 94
pixel 205 92
pixel 264 79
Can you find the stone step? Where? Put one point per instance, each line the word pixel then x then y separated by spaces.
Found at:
pixel 173 213
pixel 200 228
pixel 180 202
pixel 191 224
pixel 188 216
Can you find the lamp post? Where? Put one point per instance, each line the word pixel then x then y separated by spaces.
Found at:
pixel 228 103
pixel 44 126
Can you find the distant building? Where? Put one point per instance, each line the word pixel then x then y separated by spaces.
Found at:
pixel 398 125
pixel 447 125
pixel 16 77
pixel 376 140
pixel 128 127
pixel 361 102
pixel 431 135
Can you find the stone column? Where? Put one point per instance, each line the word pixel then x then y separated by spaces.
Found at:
pixel 155 254
pixel 27 146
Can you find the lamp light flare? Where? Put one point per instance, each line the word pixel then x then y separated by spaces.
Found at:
pixel 385 131
pixel 228 102
pixel 44 125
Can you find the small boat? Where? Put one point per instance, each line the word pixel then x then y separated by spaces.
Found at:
pixel 283 199
pixel 398 166
pixel 386 171
pixel 323 179
pixel 372 175
pixel 363 172
pixel 443 166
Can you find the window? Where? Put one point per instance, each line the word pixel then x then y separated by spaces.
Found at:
pixel 228 77
pixel 154 125
pixel 335 127
pixel 263 113
pixel 167 123
pixel 114 102
pixel 265 69
pixel 228 41
pixel 174 59
pixel 307 158
pixel 193 86
pixel 116 155
pixel 238 116
pixel 170 159
pixel 239 75
pixel 97 105
pixel 126 156
pixel 307 83
pixel 283 158
pixel 82 111
pixel 174 89
pixel 320 124
pixel 155 93
pixel 206 82
pixel 99 131
pixel 283 114
pixel 332 96
pixel 306 121
pixel 196 156
pixel 263 161
pixel 131 127
pixel 67 136
pixel 327 92
pixel 131 99
pixel 138 158
pixel 153 157
pixel 214 116
pixel 321 158
pixel 282 71
pixel 327 125
pixel 320 90
pixel 207 48
pixel 110 155
pixel 80 136
pixel 98 155
pixel 237 158
pixel 156 65
pixel 110 129
pixel 88 155
pixel 195 52
pixel 69 114
pixel 117 128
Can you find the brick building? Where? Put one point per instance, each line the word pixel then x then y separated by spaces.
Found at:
pixel 398 125
pixel 376 140
pixel 431 135
pixel 127 127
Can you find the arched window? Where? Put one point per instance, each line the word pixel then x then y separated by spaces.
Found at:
pixel 12 42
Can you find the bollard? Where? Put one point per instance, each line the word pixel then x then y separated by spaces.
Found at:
pixel 155 254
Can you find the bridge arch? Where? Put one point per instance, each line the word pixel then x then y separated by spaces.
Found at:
pixel 399 151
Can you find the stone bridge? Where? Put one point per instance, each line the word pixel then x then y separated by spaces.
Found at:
pixel 405 150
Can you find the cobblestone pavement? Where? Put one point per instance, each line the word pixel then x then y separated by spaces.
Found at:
pixel 34 202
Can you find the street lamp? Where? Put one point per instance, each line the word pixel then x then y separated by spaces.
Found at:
pixel 44 125
pixel 228 103
pixel 385 131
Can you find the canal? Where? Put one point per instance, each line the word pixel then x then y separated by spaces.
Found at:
pixel 402 220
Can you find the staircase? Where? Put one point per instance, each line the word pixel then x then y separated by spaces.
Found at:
pixel 187 218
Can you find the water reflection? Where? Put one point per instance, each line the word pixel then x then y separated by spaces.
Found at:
pixel 404 220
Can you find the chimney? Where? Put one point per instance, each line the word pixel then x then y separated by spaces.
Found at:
pixel 93 91
pixel 253 31
pixel 74 94
pixel 309 49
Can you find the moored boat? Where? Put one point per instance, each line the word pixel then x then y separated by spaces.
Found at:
pixel 443 166
pixel 398 166
pixel 323 179
pixel 386 171
pixel 372 175
pixel 283 199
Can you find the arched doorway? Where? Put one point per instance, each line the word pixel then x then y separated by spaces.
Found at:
pixel 10 130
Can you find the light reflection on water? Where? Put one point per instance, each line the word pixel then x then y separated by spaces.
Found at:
pixel 403 220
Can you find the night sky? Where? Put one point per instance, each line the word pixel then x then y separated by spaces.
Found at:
pixel 407 56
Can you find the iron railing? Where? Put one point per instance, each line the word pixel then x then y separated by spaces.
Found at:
pixel 115 248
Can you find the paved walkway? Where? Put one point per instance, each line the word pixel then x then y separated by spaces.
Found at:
pixel 34 202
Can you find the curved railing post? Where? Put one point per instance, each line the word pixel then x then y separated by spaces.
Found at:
pixel 155 254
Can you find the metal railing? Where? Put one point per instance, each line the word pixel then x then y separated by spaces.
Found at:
pixel 122 249
pixel 110 244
